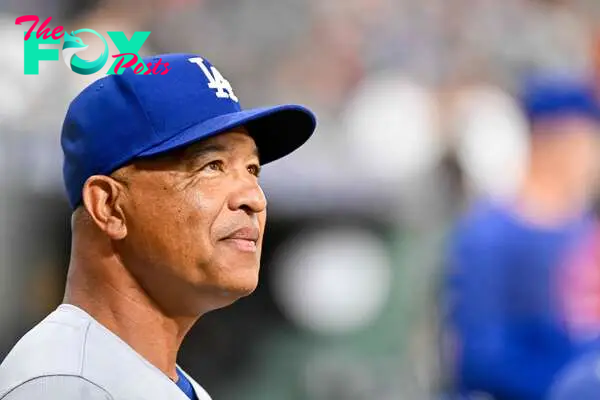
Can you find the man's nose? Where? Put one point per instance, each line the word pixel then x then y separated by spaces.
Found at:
pixel 248 196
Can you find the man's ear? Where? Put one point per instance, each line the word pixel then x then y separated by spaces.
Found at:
pixel 102 198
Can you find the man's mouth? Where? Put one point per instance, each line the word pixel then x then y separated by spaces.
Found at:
pixel 244 239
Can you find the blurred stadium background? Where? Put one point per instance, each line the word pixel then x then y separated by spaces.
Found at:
pixel 417 117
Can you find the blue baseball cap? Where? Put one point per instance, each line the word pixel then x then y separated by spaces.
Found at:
pixel 119 118
pixel 552 95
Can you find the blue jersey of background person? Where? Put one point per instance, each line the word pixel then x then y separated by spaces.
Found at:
pixel 513 267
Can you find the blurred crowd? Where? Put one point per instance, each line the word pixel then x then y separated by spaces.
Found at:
pixel 443 171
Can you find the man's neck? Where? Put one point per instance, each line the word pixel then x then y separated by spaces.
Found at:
pixel 124 308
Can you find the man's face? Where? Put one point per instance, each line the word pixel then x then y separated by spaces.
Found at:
pixel 582 154
pixel 571 147
pixel 195 221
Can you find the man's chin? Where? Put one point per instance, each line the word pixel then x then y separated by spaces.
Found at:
pixel 227 293
pixel 237 291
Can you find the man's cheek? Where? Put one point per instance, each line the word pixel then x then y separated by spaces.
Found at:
pixel 262 221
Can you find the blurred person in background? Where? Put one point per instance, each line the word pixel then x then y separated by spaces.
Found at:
pixel 510 328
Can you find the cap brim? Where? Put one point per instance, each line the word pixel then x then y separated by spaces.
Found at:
pixel 277 131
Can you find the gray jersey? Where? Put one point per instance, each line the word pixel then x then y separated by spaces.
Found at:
pixel 71 356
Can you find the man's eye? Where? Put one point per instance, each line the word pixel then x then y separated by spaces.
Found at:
pixel 254 169
pixel 214 166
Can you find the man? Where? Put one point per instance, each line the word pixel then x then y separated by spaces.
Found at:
pixel 514 314
pixel 168 219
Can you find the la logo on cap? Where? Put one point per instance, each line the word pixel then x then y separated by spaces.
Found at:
pixel 215 80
